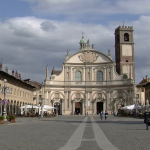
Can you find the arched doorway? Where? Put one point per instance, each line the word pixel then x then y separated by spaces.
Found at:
pixel 78 108
pixel 99 107
pixel 57 110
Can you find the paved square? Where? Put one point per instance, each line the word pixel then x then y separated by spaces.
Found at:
pixel 75 133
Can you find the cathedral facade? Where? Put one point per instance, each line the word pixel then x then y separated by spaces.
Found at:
pixel 91 81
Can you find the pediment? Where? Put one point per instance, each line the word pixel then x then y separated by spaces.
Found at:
pixel 89 57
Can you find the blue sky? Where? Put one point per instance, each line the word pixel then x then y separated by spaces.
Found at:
pixel 36 33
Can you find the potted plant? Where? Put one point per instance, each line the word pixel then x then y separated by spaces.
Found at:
pixel 12 117
pixel 1 119
pixel 8 118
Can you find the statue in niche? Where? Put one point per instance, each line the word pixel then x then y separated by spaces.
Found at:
pixel 88 42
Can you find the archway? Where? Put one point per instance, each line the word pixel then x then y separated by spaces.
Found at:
pixel 78 108
pixel 99 107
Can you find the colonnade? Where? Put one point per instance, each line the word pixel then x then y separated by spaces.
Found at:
pixel 12 108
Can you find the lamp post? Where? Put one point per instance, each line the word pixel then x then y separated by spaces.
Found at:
pixel 5 90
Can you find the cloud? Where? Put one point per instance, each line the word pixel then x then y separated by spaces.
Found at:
pixel 47 26
pixel 80 8
pixel 25 45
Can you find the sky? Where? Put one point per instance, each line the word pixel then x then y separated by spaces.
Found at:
pixel 37 33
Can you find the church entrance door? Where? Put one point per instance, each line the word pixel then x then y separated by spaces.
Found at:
pixel 57 110
pixel 99 107
pixel 78 108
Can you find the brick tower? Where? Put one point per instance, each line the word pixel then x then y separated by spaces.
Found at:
pixel 124 51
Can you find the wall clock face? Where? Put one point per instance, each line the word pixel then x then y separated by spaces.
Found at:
pixel 125 76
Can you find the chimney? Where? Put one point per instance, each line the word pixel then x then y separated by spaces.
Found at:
pixel 16 74
pixel 19 76
pixel 6 69
pixel 147 78
pixel 13 72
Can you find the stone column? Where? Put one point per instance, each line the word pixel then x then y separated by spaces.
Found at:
pixel 94 76
pixel 1 109
pixel 91 105
pixel 9 108
pixel 69 68
pixel 73 107
pixel 111 99
pixel 95 107
pixel 21 109
pixel 112 72
pixel 65 101
pixel 104 106
pixel 104 75
pixel 14 105
pixel 69 97
pixel 52 103
pixel 15 108
pixel 49 97
pixel 12 109
pixel 63 110
pixel 82 107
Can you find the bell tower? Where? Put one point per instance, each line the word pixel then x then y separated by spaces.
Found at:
pixel 124 51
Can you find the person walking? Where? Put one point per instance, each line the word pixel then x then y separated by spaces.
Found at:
pixel 106 114
pixel 101 114
pixel 146 118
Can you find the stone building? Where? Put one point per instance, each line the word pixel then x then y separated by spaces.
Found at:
pixel 91 81
pixel 21 91
pixel 145 86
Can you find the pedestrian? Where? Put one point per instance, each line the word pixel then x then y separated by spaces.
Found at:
pixel 101 114
pixel 106 114
pixel 146 118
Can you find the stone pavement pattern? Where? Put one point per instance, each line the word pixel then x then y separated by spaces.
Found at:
pixel 55 133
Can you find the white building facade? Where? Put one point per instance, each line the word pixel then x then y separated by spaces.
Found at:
pixel 89 83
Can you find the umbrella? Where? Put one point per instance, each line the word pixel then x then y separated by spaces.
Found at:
pixel 129 107
pixel 29 106
pixel 43 110
pixel 48 107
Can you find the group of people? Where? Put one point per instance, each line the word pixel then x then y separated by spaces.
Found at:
pixel 105 114
pixel 146 117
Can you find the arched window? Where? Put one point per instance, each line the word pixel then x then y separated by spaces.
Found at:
pixel 78 76
pixel 99 76
pixel 126 37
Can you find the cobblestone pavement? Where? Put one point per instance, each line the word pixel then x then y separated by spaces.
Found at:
pixel 126 133
pixel 58 132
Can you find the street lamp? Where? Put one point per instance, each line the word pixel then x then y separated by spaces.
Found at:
pixel 5 90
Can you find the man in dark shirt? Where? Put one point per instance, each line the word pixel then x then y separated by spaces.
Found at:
pixel 146 118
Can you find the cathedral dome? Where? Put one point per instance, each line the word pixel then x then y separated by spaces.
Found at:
pixel 82 41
